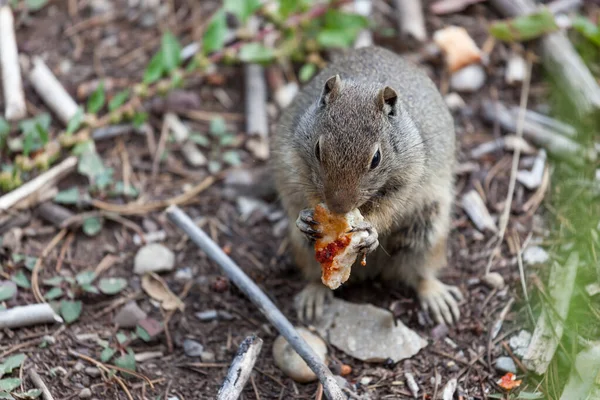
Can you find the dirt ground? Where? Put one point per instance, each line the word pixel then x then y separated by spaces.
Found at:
pixel 120 48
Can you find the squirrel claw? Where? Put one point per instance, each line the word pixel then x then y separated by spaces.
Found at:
pixel 310 302
pixel 440 300
pixel 307 224
pixel 369 243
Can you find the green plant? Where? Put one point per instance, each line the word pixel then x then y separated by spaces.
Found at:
pixel 9 386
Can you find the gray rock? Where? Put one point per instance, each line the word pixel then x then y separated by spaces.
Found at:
pixel 535 255
pixel 454 101
pixel 130 315
pixel 449 389
pixel 192 348
pixel 85 393
pixel 79 366
pixel 153 257
pixel 49 339
pixel 184 274
pixel 288 361
pixel 519 343
pixel 207 315
pixel 368 333
pixel 493 280
pixel 468 79
pixel 506 364
pixel 93 372
pixel 207 356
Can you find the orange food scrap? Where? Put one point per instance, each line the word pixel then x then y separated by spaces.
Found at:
pixel 346 370
pixel 509 381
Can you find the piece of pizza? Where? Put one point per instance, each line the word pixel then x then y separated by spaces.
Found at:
pixel 336 249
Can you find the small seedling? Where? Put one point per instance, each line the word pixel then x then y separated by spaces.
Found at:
pixel 8 386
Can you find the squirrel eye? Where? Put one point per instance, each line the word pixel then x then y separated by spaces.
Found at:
pixel 318 151
pixel 376 159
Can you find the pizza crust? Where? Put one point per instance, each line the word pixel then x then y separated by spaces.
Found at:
pixel 335 250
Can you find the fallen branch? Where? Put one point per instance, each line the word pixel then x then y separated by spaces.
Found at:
pixel 45 180
pixel 411 20
pixel 549 327
pixel 36 379
pixel 51 91
pixel 54 213
pixel 32 314
pixel 240 369
pixel 475 208
pixel 258 297
pixel 14 97
pixel 561 60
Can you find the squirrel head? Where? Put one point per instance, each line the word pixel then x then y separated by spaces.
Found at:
pixel 360 144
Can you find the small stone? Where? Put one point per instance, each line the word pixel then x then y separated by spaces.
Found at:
pixel 494 280
pixel 207 356
pixel 93 372
pixel 592 289
pixel 207 315
pixel 153 257
pixel 85 393
pixel 184 274
pixel 291 363
pixel 366 380
pixel 49 339
pixel 449 389
pixel 192 348
pixel 516 69
pixel 79 366
pixel 225 315
pixel 130 315
pixel 535 255
pixel 519 343
pixel 468 79
pixel 506 364
pixel 454 101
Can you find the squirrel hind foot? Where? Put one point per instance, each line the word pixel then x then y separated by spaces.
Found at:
pixel 310 302
pixel 440 300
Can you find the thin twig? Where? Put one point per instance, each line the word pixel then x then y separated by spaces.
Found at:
pixel 39 383
pixel 35 287
pixel 515 164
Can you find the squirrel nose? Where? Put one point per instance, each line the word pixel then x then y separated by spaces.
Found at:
pixel 339 202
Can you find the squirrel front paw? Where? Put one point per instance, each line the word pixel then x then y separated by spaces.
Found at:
pixel 368 243
pixel 307 224
pixel 311 301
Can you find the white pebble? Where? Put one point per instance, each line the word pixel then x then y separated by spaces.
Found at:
pixel 291 363
pixel 468 79
pixel 494 280
pixel 153 257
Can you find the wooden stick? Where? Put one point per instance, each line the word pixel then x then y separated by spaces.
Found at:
pixel 14 97
pixel 411 20
pixel 32 314
pixel 54 213
pixel 256 101
pixel 258 297
pixel 561 60
pixel 241 368
pixel 47 179
pixel 51 91
pixel 39 383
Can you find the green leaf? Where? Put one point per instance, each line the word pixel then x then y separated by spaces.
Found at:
pixel 21 280
pixel 67 196
pixel 171 52
pixel 55 281
pixel 9 384
pixel 90 289
pixel 200 139
pixel 256 53
pixel 30 262
pixel 92 226
pixel 85 277
pixel 139 119
pixel 75 121
pixel 97 99
pixel 53 293
pixel 530 396
pixel 143 334
pixel 214 37
pixel 524 28
pixel 35 5
pixel 29 125
pixel 30 394
pixel 107 354
pixel 126 361
pixel 214 167
pixel 70 310
pixel 6 395
pixel 121 337
pixel 227 140
pixel 12 363
pixel 243 9
pixel 585 27
pixel 307 71
pixel 119 189
pixel 334 38
pixel 112 286
pixel 232 158
pixel 155 69
pixel 90 164
pixel 118 100
pixel 4 132
pixel 287 7
pixel 218 126
pixel 7 290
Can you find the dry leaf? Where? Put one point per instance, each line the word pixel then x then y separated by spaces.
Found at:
pixel 458 47
pixel 509 381
pixel 156 288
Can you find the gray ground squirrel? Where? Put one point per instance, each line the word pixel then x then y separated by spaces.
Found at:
pixel 371 131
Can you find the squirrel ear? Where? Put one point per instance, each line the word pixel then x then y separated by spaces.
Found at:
pixel 387 100
pixel 331 89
